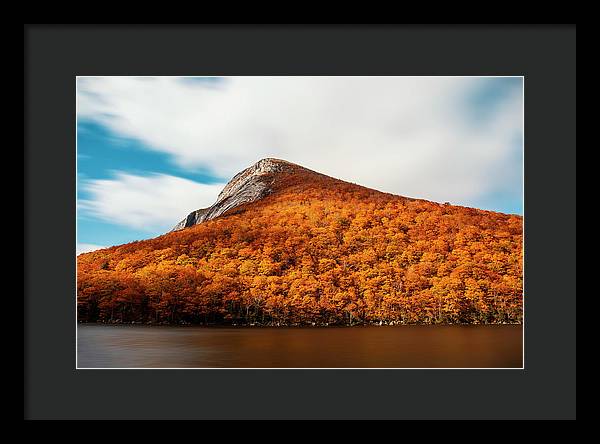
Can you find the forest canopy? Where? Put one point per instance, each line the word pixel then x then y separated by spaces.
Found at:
pixel 316 251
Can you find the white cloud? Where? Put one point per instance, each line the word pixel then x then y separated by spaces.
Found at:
pixel 154 203
pixel 406 135
pixel 86 248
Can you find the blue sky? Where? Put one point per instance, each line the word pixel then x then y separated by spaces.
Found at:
pixel 152 149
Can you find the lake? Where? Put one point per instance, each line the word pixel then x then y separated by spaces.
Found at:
pixel 410 346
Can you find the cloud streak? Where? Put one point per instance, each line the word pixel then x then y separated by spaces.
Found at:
pixel 150 204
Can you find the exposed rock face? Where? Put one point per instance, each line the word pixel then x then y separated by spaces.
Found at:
pixel 249 185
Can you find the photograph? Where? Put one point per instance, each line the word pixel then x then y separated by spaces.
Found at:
pixel 299 222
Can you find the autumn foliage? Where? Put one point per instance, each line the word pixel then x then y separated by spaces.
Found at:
pixel 317 250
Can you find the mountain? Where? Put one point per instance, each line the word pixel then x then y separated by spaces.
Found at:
pixel 253 183
pixel 284 245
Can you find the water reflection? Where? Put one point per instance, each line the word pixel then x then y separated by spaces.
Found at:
pixel 423 346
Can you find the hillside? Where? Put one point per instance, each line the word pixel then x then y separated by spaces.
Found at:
pixel 284 245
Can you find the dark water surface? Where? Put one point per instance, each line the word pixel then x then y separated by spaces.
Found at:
pixel 422 346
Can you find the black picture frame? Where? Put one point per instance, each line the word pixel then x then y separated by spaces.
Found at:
pixel 55 54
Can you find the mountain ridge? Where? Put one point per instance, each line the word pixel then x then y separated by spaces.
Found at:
pixel 249 185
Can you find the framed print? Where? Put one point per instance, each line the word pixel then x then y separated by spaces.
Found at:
pixel 358 228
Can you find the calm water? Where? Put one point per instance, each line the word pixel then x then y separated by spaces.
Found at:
pixel 402 346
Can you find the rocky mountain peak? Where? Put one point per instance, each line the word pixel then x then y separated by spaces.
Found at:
pixel 249 185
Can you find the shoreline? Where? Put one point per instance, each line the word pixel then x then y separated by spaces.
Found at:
pixel 282 326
